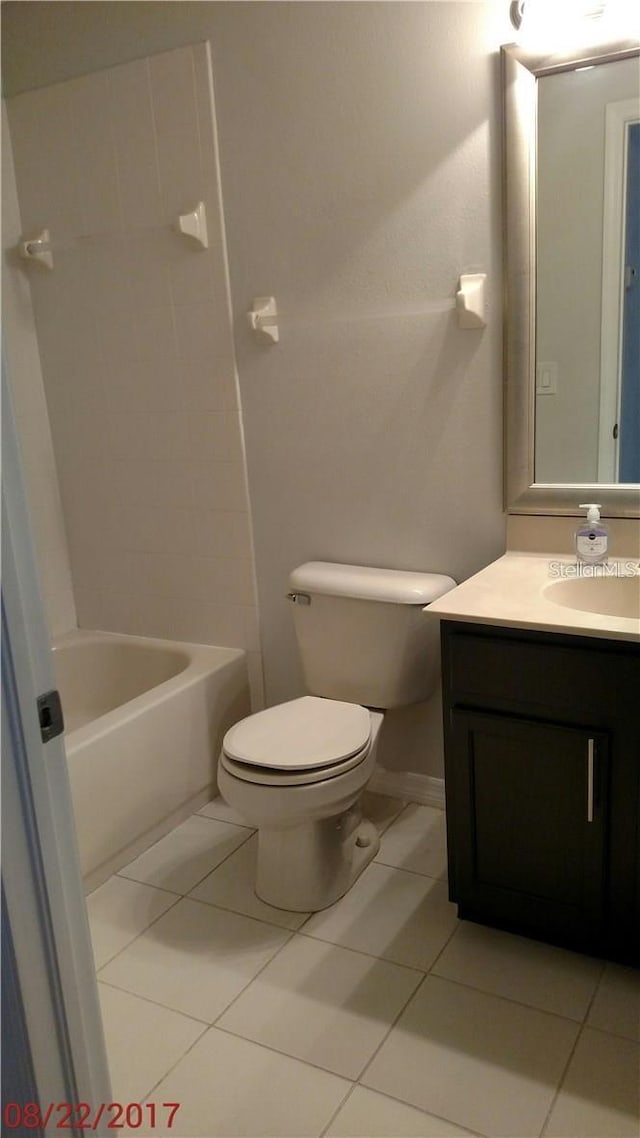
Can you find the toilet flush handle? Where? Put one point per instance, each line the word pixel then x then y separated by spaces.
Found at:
pixel 299 598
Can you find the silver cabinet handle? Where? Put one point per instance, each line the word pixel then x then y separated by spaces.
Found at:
pixel 590 763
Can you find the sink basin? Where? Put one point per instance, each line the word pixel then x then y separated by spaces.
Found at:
pixel 611 596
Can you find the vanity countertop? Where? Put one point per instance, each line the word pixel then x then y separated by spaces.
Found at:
pixel 514 591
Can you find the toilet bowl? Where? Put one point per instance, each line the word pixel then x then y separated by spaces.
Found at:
pixel 297 771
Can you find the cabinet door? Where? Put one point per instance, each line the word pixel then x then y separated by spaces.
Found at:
pixel 526 815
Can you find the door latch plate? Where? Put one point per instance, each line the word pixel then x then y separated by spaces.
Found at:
pixel 50 715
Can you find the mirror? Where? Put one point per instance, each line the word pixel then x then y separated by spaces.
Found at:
pixel 572 237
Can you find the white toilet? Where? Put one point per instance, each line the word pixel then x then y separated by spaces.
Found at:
pixel 297 771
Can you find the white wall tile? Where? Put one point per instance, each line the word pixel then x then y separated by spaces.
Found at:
pixel 209 385
pixel 215 436
pixel 251 628
pixel 173 87
pixel 225 579
pixel 133 132
pixel 191 277
pixel 256 680
pixel 95 147
pixel 200 328
pixel 224 533
pixel 219 486
pixel 138 359
pixel 181 177
pixel 169 436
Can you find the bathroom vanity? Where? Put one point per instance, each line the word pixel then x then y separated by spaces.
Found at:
pixel 542 755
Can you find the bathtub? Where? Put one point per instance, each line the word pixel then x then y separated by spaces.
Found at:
pixel 144 721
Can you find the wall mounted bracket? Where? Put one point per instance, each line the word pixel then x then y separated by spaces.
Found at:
pixel 470 300
pixel 194 226
pixel 263 319
pixel 37 249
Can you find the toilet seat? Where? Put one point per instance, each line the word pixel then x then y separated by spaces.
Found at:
pixel 302 741
pixel 265 777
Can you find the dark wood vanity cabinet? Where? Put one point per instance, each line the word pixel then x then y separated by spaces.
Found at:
pixel 542 767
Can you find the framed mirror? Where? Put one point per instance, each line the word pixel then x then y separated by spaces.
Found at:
pixel 572 261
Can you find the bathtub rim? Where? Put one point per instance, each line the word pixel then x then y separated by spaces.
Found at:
pixel 202 660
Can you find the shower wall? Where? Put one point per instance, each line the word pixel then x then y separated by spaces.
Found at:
pixel 25 381
pixel 135 338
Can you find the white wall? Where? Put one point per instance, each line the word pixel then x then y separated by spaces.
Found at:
pixel 571 132
pixel 360 161
pixel 25 379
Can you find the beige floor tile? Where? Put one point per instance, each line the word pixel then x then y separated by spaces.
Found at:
pixel 520 969
pixel 367 1114
pixel 479 1061
pixel 185 855
pixel 230 1088
pixel 616 1007
pixel 416 841
pixel 119 911
pixel 232 886
pixel 380 809
pixel 599 1096
pixel 196 960
pixel 322 1004
pixel 389 913
pixel 143 1042
pixel 220 810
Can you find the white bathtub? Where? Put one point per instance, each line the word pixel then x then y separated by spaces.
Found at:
pixel 144 721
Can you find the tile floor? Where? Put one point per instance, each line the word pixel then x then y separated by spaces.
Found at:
pixel 381 1017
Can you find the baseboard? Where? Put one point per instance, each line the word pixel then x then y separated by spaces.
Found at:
pixel 410 786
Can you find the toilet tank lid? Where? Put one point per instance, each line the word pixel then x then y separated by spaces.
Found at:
pixel 394 586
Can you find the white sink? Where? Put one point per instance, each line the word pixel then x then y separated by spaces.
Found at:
pixel 611 596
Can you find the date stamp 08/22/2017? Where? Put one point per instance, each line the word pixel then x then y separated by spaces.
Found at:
pixel 83 1116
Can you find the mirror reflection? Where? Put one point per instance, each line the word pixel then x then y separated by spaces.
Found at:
pixel 587 406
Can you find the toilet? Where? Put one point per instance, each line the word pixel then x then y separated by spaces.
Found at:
pixel 297 771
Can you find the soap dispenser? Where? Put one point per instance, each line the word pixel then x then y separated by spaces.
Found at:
pixel 592 536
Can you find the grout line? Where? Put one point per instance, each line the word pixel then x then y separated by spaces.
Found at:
pixel 507 999
pixel 612 1034
pixel 596 989
pixel 393 1023
pixel 565 1070
pixel 179 1060
pixel 242 913
pixel 154 1003
pixel 195 885
pixel 405 869
pixel 244 916
pixel 141 933
pixel 362 952
pixel 336 1112
pixel 220 863
pixel 259 973
pixel 137 881
pixel 560 1083
pixel 286 1054
pixel 210 817
pixel 444 947
pixel 419 1109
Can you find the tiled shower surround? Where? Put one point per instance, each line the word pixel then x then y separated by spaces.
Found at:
pixel 135 338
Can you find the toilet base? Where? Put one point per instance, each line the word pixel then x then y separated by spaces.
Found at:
pixel 308 867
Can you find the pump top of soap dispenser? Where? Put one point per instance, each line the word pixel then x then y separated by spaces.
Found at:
pixel 592 536
pixel 593 510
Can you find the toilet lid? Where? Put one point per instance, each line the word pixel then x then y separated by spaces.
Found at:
pixel 303 733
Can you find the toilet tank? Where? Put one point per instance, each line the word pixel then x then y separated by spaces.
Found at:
pixel 362 633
